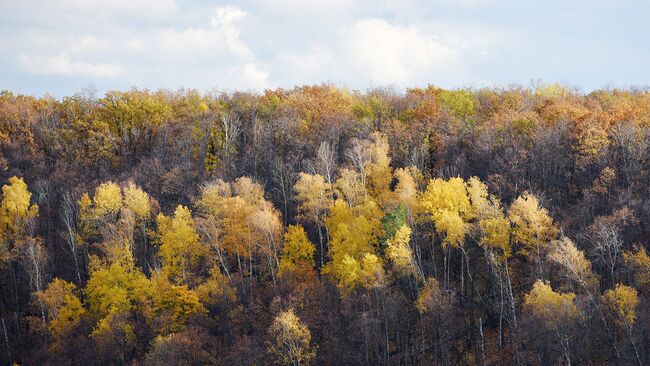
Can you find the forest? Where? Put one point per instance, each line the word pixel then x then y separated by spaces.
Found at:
pixel 324 226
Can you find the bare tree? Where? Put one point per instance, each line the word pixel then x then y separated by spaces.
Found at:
pixel 34 260
pixel 360 156
pixel 607 248
pixel 284 176
pixel 69 231
pixel 605 234
pixel 211 232
pixel 232 127
pixel 631 145
pixel 326 161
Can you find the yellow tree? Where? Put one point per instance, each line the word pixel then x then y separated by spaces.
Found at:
pixel 16 214
pixel 315 198
pixel 173 305
pixel 99 217
pixel 297 253
pixel 236 219
pixel 371 271
pixel 350 186
pixel 180 248
pixel 64 309
pixel 232 207
pixel 377 170
pixel 85 228
pixel 399 252
pixel 639 262
pixel 495 233
pixel 16 218
pixel 533 228
pixel 621 303
pixel 555 313
pixel 140 203
pixel 114 290
pixel 447 205
pixel 575 265
pixel 211 207
pixel 354 232
pixel 107 200
pixel 290 340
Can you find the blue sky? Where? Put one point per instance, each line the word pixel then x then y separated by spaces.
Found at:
pixel 61 46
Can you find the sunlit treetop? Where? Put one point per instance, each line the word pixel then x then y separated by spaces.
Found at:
pixel 16 211
pixel 622 301
pixel 533 227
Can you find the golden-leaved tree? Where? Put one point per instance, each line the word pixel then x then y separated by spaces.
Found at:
pixel 621 305
pixel 290 340
pixel 354 232
pixel 297 256
pixel 533 228
pixel 16 216
pixel 555 316
pixel 180 248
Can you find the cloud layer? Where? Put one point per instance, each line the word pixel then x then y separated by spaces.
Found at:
pixel 60 46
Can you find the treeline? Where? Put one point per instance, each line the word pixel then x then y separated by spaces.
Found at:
pixel 321 226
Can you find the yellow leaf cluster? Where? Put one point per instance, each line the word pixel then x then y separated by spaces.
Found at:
pixel 63 306
pixel 137 201
pixel 15 212
pixel 107 199
pixel 448 205
pixel 378 170
pixel 290 340
pixel 354 232
pixel 173 305
pixel 399 251
pixel 533 227
pixel 180 248
pixel 640 263
pixel 622 301
pixel 215 289
pixel 552 307
pixel 298 252
pixel 496 234
pixel 314 195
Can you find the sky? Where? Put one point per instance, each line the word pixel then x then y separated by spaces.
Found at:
pixel 60 47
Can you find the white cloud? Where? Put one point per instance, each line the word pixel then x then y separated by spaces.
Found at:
pixel 309 7
pixel 62 65
pixel 309 63
pixel 221 34
pixel 251 76
pixel 269 43
pixel 463 3
pixel 191 39
pixel 392 54
pixel 139 8
pixel 134 43
pixel 88 44
pixel 223 20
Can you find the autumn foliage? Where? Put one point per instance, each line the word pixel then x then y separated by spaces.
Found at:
pixel 319 225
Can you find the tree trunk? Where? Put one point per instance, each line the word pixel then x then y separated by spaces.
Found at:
pixel 4 328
